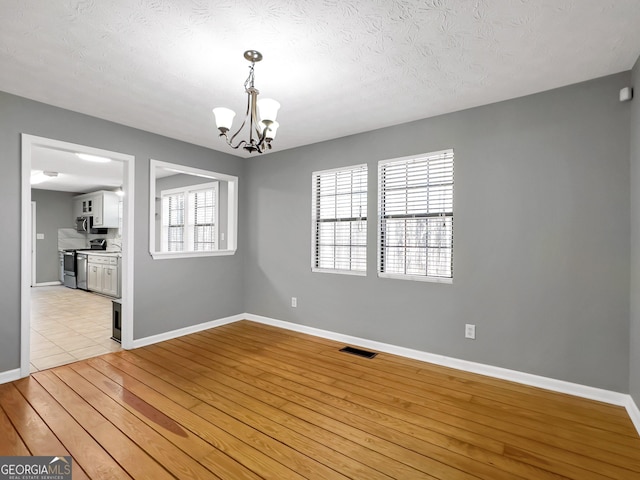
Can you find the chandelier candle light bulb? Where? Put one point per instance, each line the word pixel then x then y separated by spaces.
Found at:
pixel 260 117
pixel 224 118
pixel 268 109
pixel 271 129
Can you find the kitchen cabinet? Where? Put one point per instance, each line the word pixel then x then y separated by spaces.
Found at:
pixel 94 277
pixel 101 205
pixel 110 280
pixel 103 275
pixel 78 207
pixel 86 206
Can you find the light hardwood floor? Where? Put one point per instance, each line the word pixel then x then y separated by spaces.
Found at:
pixel 249 401
pixel 68 325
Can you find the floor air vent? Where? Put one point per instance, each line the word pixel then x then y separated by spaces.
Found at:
pixel 357 351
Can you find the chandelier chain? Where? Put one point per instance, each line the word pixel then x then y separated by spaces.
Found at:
pixel 250 79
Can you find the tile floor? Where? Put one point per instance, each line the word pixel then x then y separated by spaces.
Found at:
pixel 68 325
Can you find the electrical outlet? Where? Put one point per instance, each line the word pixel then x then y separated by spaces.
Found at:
pixel 294 302
pixel 470 331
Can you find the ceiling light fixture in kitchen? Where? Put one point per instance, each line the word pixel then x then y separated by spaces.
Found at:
pixel 263 127
pixel 93 158
pixel 38 176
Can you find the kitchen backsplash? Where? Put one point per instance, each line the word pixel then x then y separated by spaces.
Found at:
pixel 69 238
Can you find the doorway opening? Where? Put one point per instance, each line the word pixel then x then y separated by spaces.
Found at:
pixel 35 294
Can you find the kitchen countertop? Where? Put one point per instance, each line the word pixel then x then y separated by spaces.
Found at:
pixel 104 253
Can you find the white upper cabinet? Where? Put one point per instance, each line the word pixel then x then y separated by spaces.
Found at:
pixel 101 205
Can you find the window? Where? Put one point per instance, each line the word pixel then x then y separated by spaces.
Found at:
pixel 202 215
pixel 340 220
pixel 206 225
pixel 189 217
pixel 173 222
pixel 415 208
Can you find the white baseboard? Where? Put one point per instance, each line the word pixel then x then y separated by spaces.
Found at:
pixel 161 337
pixel 607 396
pixel 46 284
pixel 634 412
pixel 9 376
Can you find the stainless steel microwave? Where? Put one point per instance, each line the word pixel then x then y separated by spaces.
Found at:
pixel 85 225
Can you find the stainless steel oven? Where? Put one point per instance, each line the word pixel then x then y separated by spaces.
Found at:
pixel 69 268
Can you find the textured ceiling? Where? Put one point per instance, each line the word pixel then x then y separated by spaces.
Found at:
pixel 338 67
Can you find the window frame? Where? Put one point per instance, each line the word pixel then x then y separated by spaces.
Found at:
pixel 315 222
pixel 188 235
pixel 381 220
pixel 156 167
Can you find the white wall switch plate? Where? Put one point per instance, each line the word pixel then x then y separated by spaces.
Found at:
pixel 470 331
pixel 294 302
pixel 39 236
pixel 626 94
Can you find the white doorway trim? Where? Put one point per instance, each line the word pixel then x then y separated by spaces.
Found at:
pixel 33 243
pixel 28 142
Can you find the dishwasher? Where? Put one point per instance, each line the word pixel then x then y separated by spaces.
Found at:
pixel 81 270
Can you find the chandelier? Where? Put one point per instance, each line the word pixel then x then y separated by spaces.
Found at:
pixel 260 116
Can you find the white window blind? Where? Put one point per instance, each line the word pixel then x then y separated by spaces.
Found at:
pixel 416 216
pixel 202 219
pixel 173 222
pixel 340 220
pixel 189 218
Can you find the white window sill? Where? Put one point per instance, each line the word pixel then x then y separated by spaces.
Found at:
pixel 415 278
pixel 357 273
pixel 171 255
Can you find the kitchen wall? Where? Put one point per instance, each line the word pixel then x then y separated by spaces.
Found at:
pixel 634 335
pixel 54 210
pixel 169 294
pixel 541 247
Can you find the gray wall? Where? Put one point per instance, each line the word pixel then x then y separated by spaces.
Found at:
pixel 542 235
pixel 169 294
pixel 54 210
pixel 541 248
pixel 635 238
